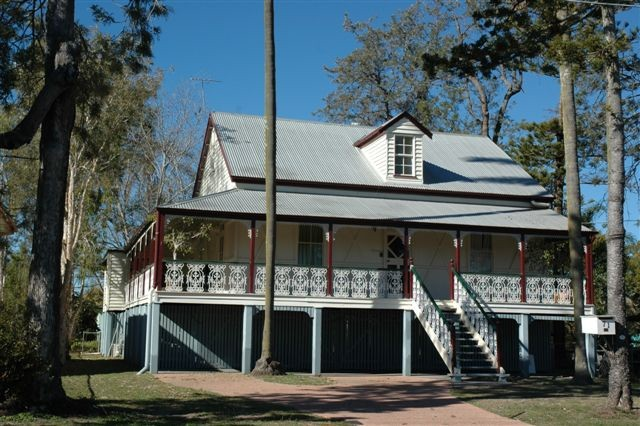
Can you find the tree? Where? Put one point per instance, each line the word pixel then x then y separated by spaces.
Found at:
pixel 266 365
pixel 53 112
pixel 576 253
pixel 619 377
pixel 541 152
pixel 390 72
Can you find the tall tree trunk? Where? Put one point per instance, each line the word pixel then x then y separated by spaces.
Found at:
pixel 3 259
pixel 44 273
pixel 576 252
pixel 266 365
pixel 619 381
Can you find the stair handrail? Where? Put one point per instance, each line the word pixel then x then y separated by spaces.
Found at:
pixel 485 325
pixel 443 328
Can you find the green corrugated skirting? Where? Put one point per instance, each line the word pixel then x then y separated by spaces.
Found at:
pixel 199 337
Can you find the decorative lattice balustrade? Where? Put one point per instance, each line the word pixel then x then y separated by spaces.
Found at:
pixel 549 290
pixel 294 281
pixel 200 277
pixel 232 278
pixel 366 283
pixel 494 288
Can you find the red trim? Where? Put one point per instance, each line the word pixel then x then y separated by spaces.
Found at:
pixel 203 157
pixel 377 132
pixel 391 190
pixel 211 126
pixel 451 280
pixel 405 264
pixel 589 273
pixel 252 257
pixel 523 276
pixel 330 261
pixel 458 244
pixel 158 252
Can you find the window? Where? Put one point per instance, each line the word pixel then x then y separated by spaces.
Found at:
pixel 404 155
pixel 310 245
pixel 481 257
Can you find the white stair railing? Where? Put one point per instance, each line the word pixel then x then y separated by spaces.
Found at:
pixel 479 321
pixel 433 320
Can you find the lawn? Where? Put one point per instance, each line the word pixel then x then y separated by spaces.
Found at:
pixel 547 401
pixel 108 392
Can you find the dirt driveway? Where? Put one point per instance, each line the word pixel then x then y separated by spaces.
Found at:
pixel 358 399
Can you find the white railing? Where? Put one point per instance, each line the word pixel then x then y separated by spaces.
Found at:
pixel 200 277
pixel 433 321
pixel 477 316
pixel 495 288
pixel 294 281
pixel 139 285
pixel 367 283
pixel 549 290
pixel 302 281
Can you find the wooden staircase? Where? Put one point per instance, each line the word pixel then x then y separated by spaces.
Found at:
pixel 470 360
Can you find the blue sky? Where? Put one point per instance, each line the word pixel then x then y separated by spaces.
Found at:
pixel 223 41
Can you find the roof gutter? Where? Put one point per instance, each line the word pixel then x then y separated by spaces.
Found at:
pixel 394 190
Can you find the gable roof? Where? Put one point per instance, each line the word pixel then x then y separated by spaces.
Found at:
pixel 378 131
pixel 323 154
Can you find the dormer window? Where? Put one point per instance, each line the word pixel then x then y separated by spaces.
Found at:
pixel 404 155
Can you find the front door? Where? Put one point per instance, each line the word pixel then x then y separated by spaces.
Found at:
pixel 394 251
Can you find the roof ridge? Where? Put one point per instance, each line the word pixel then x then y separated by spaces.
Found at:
pixel 462 134
pixel 299 120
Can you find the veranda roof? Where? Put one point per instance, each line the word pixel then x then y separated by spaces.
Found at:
pixel 322 208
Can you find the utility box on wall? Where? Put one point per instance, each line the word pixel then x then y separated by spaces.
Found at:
pixel 598 324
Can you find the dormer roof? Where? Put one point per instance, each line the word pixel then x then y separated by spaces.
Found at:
pixel 388 124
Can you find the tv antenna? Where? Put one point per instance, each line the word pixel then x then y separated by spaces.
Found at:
pixel 204 81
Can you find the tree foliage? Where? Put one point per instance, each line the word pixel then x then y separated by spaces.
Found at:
pixel 396 68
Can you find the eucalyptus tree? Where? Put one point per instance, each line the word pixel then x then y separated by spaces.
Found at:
pixel 401 65
pixel 44 33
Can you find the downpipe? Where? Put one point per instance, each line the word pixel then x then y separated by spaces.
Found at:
pixel 147 346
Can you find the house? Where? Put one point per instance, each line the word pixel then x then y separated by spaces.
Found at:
pixel 399 249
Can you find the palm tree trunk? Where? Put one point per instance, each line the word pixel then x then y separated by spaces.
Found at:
pixel 266 365
pixel 576 253
pixel 619 382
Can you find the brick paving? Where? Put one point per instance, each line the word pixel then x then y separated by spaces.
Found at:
pixel 357 399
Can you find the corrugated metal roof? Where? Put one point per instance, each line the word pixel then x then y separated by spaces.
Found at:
pixel 447 215
pixel 310 151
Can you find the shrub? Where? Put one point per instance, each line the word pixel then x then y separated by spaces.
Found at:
pixel 19 361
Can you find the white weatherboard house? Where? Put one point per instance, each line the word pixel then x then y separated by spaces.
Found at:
pixel 398 250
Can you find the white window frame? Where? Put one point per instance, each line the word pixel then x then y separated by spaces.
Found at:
pixel 411 156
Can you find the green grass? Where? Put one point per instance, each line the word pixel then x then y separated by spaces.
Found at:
pixel 298 379
pixel 546 401
pixel 108 392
